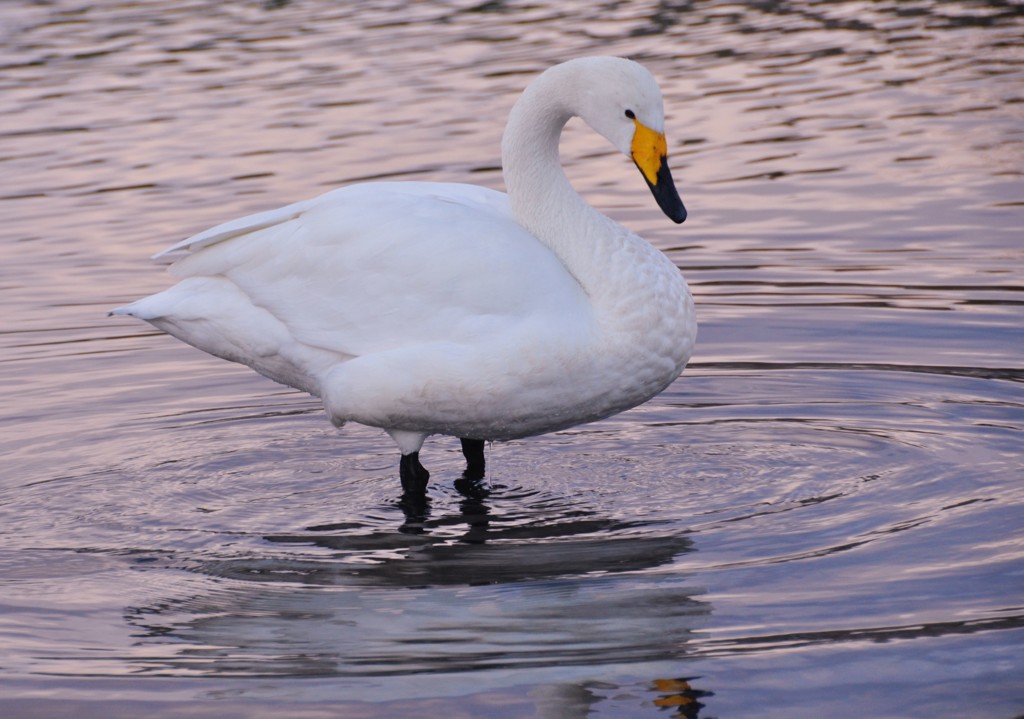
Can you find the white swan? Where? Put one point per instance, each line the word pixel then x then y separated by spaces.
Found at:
pixel 430 308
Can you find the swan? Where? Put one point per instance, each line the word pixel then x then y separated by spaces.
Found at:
pixel 439 308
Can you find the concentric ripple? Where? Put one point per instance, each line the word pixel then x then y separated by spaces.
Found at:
pixel 591 547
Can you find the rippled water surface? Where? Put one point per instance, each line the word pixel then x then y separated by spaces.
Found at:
pixel 821 518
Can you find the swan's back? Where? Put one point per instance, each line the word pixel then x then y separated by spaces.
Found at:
pixel 361 270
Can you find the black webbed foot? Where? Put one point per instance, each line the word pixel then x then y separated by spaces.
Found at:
pixel 473 451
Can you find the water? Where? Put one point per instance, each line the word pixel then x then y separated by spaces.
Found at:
pixel 820 518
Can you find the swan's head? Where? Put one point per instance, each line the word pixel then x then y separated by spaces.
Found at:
pixel 621 100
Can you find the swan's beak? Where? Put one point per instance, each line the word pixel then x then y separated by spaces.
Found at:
pixel 650 153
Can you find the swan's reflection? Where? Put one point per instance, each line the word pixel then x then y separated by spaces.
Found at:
pixel 681 696
pixel 473 597
pixel 539 539
pixel 473 507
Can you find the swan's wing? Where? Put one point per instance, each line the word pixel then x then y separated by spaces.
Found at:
pixel 471 195
pixel 232 228
pixel 378 266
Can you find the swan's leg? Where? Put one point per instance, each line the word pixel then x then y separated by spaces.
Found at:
pixel 414 475
pixel 473 451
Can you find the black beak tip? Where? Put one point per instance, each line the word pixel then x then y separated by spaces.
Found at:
pixel 679 216
pixel 668 200
pixel 664 191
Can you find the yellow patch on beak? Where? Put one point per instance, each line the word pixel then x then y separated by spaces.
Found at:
pixel 649 151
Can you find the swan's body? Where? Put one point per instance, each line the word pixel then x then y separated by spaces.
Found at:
pixel 430 308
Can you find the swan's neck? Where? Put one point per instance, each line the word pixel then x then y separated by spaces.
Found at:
pixel 542 199
pixel 641 308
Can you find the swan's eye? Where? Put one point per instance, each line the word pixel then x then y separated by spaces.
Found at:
pixel 630 115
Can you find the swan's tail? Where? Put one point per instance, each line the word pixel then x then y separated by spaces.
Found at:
pixel 211 313
pixel 137 309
